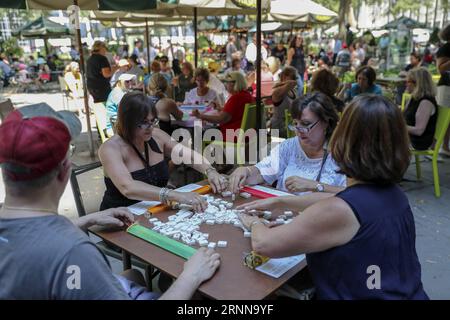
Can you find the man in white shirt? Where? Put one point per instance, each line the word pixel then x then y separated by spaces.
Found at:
pixel 250 53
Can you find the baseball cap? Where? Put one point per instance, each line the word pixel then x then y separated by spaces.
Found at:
pixel 35 139
pixel 127 76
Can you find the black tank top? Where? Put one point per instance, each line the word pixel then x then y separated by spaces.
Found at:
pixel 424 141
pixel 156 175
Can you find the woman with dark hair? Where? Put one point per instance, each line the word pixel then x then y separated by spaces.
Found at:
pixel 365 230
pixel 296 58
pixel 133 159
pixel 165 107
pixel 184 82
pixel 302 163
pixel 365 83
pixel 202 94
pixel 136 69
pixel 325 81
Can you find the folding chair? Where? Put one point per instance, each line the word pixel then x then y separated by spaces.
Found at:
pixel 442 124
pixel 150 272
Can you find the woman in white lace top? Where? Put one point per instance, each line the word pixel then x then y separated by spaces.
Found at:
pixel 300 164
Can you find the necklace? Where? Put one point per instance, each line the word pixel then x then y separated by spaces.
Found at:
pixel 29 209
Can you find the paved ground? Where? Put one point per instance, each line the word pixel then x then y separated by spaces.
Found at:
pixel 432 215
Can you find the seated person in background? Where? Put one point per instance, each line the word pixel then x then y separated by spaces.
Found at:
pixel 230 117
pixel 72 76
pixel 325 81
pixel 365 83
pixel 421 111
pixel 165 107
pixel 124 84
pixel 274 67
pixel 136 69
pixel 35 240
pixel 302 163
pixel 167 72
pixel 414 61
pixel 368 224
pixel 184 82
pixel 124 65
pixel 203 94
pixel 134 164
pixel 155 67
pixel 283 94
pixel 215 84
pixel 235 66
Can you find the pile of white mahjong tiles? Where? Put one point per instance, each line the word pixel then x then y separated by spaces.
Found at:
pixel 184 226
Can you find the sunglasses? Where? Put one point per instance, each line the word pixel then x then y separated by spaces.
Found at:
pixel 303 129
pixel 148 124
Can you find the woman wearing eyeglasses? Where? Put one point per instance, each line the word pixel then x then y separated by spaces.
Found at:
pixel 359 243
pixel 421 112
pixel 302 163
pixel 133 159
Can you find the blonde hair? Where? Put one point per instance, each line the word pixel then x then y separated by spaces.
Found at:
pixel 424 85
pixel 273 63
pixel 240 83
pixel 157 85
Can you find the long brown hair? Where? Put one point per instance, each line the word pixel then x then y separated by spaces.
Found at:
pixel 371 142
pixel 134 108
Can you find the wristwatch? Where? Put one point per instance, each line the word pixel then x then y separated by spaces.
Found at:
pixel 320 187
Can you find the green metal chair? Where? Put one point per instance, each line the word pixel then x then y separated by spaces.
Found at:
pixel 248 122
pixel 442 124
pixel 287 122
pixel 405 98
pixel 100 119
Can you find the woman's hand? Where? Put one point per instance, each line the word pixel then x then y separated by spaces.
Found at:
pixel 298 184
pixel 262 204
pixel 198 203
pixel 217 181
pixel 196 113
pixel 237 179
pixel 248 220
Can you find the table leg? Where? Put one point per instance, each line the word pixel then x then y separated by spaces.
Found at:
pixel 126 260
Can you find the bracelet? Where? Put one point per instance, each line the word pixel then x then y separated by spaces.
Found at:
pixel 209 169
pixel 163 195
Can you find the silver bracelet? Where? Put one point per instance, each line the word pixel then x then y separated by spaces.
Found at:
pixel 163 193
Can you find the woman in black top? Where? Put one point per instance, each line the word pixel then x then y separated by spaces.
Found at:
pixel 165 107
pixel 296 56
pixel 133 159
pixel 98 73
pixel 184 82
pixel 421 111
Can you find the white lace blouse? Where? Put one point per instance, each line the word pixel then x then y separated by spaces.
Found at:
pixel 288 159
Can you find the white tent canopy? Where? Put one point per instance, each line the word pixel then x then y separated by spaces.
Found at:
pixel 299 11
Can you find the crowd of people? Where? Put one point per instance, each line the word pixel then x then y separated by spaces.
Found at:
pixel 351 147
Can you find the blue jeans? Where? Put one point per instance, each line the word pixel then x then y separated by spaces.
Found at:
pixel 300 82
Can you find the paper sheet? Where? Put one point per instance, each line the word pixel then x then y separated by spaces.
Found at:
pixel 141 207
pixel 189 187
pixel 277 267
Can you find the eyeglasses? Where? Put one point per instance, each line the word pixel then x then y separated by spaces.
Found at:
pixel 148 124
pixel 303 129
pixel 410 81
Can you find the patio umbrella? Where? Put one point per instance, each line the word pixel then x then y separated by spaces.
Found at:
pixel 300 11
pixel 43 28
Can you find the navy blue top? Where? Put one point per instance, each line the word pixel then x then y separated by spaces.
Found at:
pixel 386 238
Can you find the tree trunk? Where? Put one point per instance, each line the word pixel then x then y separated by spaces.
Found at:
pixel 435 13
pixel 344 8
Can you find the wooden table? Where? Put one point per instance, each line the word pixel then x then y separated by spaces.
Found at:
pixel 232 280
